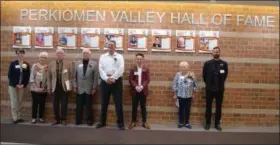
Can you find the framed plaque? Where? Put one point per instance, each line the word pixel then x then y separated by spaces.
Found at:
pixel 138 39
pixel 67 37
pixel 161 39
pixel 21 37
pixel 90 38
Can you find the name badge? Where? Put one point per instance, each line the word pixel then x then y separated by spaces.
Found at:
pixel 182 77
pixel 81 65
pixel 65 71
pixel 39 74
pixel 136 73
pixel 67 83
pixel 17 66
pixel 222 71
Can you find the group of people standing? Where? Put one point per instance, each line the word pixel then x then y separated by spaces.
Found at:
pixel 59 77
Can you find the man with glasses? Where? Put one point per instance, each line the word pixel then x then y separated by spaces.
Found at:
pixel 59 84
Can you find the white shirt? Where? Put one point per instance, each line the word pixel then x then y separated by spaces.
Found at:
pixel 111 65
pixel 139 76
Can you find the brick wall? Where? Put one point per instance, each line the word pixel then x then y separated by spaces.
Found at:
pixel 252 88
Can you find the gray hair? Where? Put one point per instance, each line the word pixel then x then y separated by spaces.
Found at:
pixel 184 63
pixel 45 54
pixel 59 50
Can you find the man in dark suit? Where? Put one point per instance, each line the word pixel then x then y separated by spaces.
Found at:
pixel 63 40
pixel 18 75
pixel 133 40
pixel 215 73
pixel 157 42
pixel 139 79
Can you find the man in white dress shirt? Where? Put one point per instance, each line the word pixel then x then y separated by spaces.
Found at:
pixel 111 69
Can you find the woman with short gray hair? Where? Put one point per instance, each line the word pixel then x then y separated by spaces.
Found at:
pixel 38 86
pixel 184 86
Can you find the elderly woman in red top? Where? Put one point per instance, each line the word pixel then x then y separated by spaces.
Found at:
pixel 38 86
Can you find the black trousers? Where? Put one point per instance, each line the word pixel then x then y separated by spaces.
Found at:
pixel 38 101
pixel 210 95
pixel 81 100
pixel 60 98
pixel 184 110
pixel 116 90
pixel 139 97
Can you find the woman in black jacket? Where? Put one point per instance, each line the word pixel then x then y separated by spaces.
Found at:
pixel 18 75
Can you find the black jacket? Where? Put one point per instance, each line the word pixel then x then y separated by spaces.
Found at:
pixel 14 74
pixel 208 72
pixel 156 45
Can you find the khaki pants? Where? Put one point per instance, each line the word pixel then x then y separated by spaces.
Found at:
pixel 16 98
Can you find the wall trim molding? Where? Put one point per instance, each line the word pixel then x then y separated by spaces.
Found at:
pixel 201 85
pixel 166 109
pixel 96 55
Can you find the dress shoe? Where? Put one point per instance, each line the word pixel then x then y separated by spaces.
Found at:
pixel 188 126
pixel 55 123
pixel 15 122
pixel 207 126
pixel 218 127
pixel 41 120
pixel 64 122
pixel 132 125
pixel 89 123
pixel 100 125
pixel 33 121
pixel 121 127
pixel 146 125
pixel 180 125
pixel 20 120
